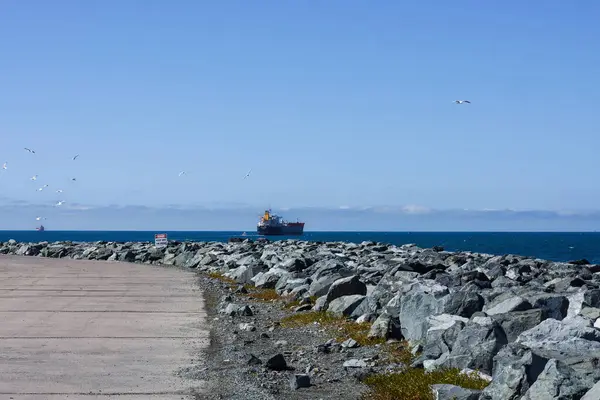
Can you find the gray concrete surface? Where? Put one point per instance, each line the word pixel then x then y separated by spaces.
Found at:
pixel 97 330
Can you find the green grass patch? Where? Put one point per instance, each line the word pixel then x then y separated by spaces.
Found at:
pixel 219 276
pixel 397 352
pixel 415 383
pixel 289 303
pixel 263 294
pixel 340 327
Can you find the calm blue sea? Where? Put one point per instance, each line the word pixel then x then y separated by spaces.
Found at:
pixel 549 246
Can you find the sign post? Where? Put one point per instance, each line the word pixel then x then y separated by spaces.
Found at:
pixel 160 240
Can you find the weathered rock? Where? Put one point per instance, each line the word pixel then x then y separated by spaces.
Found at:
pixel 345 305
pixel 269 279
pixel 476 345
pixel 320 287
pixel 293 264
pixel 416 306
pixel 590 313
pixel 350 343
pixel 443 391
pixel 243 274
pixel 355 363
pixel 573 341
pixel 591 298
pixel 367 306
pixel 236 309
pixel 245 326
pixel 328 267
pixel 516 368
pixel 298 381
pixel 593 393
pixel 385 326
pixel 511 304
pixel 556 306
pixel 558 381
pixel 515 323
pixel 320 304
pixel 276 363
pixel 464 303
pixel 346 287
pixel 442 334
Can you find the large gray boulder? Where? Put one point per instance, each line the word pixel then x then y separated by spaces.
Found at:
pixel 243 274
pixel 593 393
pixel 464 303
pixel 573 341
pixel 328 267
pixel 591 298
pixel 558 381
pixel 515 323
pixel 516 368
pixel 269 279
pixel 555 305
pixel 476 345
pixel 514 303
pixel 441 335
pixel 320 286
pixel 367 306
pixel 345 305
pixel 423 301
pixel 346 287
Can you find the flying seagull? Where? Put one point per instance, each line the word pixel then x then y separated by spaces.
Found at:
pixel 33 178
pixel 42 188
pixel 461 101
pixel 29 150
pixel 38 218
pixel 60 203
pixel 4 165
pixel 182 173
pixel 59 191
pixel 73 179
pixel 248 174
pixel 75 158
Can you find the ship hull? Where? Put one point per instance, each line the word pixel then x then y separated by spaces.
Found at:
pixel 280 230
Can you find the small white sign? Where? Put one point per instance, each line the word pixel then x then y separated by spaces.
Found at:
pixel 160 240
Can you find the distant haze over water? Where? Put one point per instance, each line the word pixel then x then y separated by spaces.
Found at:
pixel 555 246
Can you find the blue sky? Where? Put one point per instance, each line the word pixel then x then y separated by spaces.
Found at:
pixel 337 103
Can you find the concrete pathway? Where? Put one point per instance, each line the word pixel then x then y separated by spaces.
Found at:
pixel 97 330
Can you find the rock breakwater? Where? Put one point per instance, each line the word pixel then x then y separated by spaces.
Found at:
pixel 531 326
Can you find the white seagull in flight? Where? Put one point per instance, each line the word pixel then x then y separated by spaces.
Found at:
pixel 42 188
pixel 59 191
pixel 29 150
pixel 33 178
pixel 182 173
pixel 75 158
pixel 60 203
pixel 248 174
pixel 38 218
pixel 461 101
pixel 4 165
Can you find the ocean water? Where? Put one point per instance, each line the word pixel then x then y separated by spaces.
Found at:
pixel 553 246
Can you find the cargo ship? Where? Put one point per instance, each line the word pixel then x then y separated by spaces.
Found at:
pixel 272 224
pixel 40 228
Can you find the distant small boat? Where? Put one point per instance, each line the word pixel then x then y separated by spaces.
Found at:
pixel 40 228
